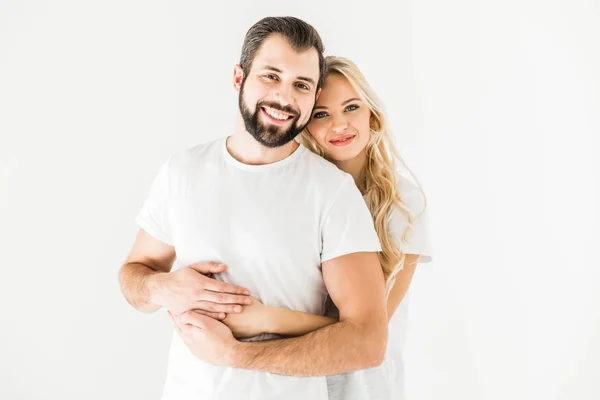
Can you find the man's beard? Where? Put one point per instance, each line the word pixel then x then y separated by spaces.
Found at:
pixel 272 135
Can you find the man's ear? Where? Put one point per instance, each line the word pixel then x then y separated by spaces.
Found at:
pixel 318 94
pixel 238 77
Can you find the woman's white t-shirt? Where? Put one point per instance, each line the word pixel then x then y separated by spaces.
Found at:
pixel 386 382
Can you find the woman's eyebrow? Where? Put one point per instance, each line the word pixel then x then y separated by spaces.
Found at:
pixel 343 104
pixel 350 100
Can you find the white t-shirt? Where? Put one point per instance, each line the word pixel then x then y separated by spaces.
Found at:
pixel 386 382
pixel 273 225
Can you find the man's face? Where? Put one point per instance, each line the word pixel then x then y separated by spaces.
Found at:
pixel 278 94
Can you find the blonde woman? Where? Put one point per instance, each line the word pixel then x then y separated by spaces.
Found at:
pixel 349 128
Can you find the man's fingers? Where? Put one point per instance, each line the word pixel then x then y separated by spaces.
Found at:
pixel 175 324
pixel 225 298
pixel 216 315
pixel 209 306
pixel 208 267
pixel 224 287
pixel 194 318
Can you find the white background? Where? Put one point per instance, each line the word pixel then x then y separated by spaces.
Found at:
pixel 495 106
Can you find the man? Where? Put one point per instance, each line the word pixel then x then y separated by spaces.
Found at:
pixel 289 225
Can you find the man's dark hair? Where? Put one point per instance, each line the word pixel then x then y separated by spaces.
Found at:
pixel 300 35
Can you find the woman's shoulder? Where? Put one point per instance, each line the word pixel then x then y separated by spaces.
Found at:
pixel 413 198
pixel 411 194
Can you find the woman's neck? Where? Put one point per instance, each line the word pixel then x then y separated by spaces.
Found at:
pixel 356 168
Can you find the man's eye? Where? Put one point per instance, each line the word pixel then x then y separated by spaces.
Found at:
pixel 271 76
pixel 321 114
pixel 302 86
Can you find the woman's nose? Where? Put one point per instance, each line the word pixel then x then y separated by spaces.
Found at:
pixel 339 125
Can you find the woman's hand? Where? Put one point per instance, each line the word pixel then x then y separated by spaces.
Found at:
pixel 254 320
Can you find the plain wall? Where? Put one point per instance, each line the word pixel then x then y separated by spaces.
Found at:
pixel 495 106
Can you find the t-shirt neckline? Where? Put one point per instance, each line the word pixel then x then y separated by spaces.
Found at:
pixel 263 167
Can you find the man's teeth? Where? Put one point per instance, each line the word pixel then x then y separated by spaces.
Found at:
pixel 275 115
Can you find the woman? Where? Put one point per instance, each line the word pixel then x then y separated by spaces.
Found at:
pixel 348 127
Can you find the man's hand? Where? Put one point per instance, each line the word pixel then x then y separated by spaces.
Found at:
pixel 207 339
pixel 190 289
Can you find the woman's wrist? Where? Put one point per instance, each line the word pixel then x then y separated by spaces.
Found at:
pixel 272 318
pixel 286 322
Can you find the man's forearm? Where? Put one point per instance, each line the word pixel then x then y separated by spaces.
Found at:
pixel 136 285
pixel 335 349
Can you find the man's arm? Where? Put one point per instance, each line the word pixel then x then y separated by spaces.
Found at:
pixel 148 258
pixel 148 283
pixel 358 341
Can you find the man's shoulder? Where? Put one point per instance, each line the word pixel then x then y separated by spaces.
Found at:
pixel 323 172
pixel 191 157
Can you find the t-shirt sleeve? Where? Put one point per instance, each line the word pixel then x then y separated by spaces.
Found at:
pixel 347 226
pixel 417 239
pixel 154 215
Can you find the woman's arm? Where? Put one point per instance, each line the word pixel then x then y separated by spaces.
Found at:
pixel 287 322
pixel 403 279
pixel 296 323
pixel 257 318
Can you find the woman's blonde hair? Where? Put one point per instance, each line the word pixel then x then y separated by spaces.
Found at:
pixel 380 182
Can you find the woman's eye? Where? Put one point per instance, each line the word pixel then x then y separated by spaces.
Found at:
pixel 321 114
pixel 352 107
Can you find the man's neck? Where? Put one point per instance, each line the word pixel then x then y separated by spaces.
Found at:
pixel 244 148
pixel 356 168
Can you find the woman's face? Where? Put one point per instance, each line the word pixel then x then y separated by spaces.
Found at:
pixel 340 120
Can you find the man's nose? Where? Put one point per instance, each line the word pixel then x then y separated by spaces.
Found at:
pixel 283 96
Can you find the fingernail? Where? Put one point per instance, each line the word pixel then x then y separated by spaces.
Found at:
pixel 248 300
pixel 247 292
pixel 237 309
pixel 221 315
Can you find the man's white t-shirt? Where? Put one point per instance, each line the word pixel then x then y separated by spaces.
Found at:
pixel 386 382
pixel 273 225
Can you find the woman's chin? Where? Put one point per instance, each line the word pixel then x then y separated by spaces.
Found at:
pixel 333 157
pixel 341 155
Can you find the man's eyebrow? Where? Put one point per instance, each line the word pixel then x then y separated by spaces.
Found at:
pixel 305 79
pixel 269 67
pixel 343 104
pixel 302 78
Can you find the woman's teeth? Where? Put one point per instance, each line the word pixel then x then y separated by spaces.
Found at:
pixel 343 140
